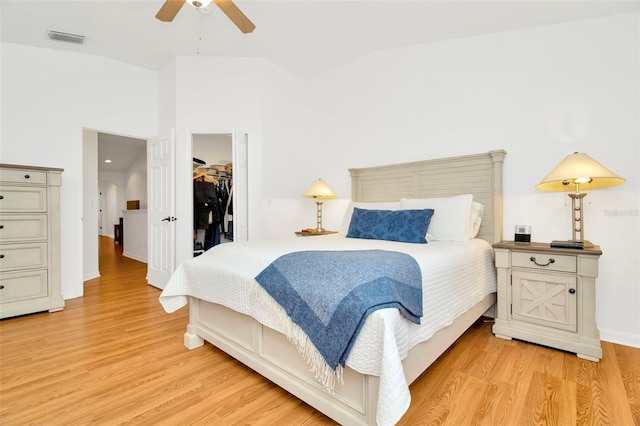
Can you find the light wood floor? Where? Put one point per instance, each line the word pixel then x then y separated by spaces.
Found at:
pixel 115 357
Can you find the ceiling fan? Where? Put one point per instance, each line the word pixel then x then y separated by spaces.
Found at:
pixel 170 9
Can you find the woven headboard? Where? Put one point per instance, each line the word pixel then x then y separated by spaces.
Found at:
pixel 478 174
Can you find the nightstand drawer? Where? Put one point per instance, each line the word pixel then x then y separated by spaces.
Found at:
pixel 23 285
pixel 544 261
pixel 23 256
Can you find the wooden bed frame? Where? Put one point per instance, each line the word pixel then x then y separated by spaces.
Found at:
pixel 270 354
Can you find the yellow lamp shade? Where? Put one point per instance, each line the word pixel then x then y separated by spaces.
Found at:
pixel 579 170
pixel 319 190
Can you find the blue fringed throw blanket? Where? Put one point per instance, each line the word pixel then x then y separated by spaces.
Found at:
pixel 329 294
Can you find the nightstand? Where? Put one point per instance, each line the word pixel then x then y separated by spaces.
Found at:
pixel 546 295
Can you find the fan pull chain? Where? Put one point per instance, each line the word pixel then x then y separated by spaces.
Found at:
pixel 199 36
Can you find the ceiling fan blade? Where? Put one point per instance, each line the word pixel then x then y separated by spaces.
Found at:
pixel 169 10
pixel 235 14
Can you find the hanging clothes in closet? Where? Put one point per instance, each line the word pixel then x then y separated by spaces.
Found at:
pixel 227 201
pixel 224 174
pixel 228 215
pixel 207 209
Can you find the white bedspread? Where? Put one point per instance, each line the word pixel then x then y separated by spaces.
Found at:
pixel 456 276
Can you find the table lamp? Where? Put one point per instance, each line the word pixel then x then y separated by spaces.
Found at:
pixel 319 191
pixel 575 173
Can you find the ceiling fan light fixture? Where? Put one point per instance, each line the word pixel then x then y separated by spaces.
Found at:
pixel 170 9
pixel 69 38
pixel 198 4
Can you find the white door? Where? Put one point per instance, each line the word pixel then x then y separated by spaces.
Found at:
pixel 161 211
pixel 240 187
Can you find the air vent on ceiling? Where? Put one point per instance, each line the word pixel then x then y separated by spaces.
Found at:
pixel 70 38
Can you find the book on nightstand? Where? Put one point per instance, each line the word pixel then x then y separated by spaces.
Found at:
pixel 567 244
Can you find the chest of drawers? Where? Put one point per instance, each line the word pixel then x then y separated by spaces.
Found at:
pixel 29 240
pixel 546 295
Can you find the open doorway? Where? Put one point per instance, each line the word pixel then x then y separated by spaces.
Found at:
pixel 114 171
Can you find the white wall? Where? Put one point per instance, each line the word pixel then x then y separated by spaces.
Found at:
pixel 167 99
pixel 134 242
pixel 48 98
pixel 136 182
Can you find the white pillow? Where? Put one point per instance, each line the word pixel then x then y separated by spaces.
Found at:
pixel 475 219
pixel 450 220
pixel 346 220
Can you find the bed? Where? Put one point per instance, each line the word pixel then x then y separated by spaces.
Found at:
pixel 226 308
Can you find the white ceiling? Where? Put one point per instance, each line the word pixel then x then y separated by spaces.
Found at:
pixel 305 37
pixel 302 36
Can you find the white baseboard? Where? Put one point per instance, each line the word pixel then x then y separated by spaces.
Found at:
pixel 134 256
pixel 620 338
pixel 90 275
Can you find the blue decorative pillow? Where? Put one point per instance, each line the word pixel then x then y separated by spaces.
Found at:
pixel 407 226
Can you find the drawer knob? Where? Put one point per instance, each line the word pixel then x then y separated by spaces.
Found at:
pixel 1 226
pixel 572 290
pixel 1 256
pixel 549 262
pixel 27 176
pixel 1 286
pixel 1 197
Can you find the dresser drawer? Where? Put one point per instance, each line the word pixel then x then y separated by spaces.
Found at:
pixel 544 261
pixel 23 256
pixel 17 228
pixel 23 176
pixel 23 199
pixel 24 285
